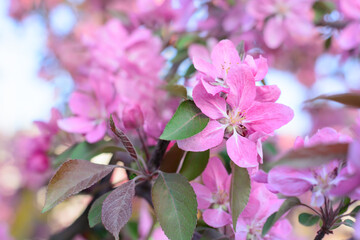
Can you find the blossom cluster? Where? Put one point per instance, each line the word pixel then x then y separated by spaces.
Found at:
pixel 134 63
pixel 239 111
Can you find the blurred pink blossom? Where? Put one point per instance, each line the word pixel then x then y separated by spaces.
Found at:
pixel 320 180
pixel 213 196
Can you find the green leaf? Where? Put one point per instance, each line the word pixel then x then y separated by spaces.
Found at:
pixel 226 160
pixel 239 191
pixel 185 41
pixel 132 230
pixel 355 211
pixel 72 177
pixel 349 99
pixel 175 205
pixel 176 90
pixel 349 223
pixel 86 151
pixel 94 215
pixel 308 219
pixel 194 164
pixel 191 69
pixel 286 206
pixel 180 56
pixel 241 49
pixel 187 121
pixel 336 224
pixel 344 205
pixel 313 156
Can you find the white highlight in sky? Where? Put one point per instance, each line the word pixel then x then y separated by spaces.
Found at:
pixel 24 97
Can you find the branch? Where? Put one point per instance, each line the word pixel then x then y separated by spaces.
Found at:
pixel 158 154
pixel 336 25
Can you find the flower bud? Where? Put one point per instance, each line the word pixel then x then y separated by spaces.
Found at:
pixel 38 162
pixel 132 116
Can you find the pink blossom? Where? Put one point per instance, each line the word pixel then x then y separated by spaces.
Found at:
pixel 349 37
pixel 156 13
pixel 262 203
pixel 146 223
pixel 91 109
pixel 283 19
pixel 117 50
pixel 239 119
pixel 132 61
pixel 213 196
pixel 224 57
pixel 320 180
pixel 132 117
pixel 349 184
pixel 49 128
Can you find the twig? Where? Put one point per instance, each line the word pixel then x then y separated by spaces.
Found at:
pixel 158 154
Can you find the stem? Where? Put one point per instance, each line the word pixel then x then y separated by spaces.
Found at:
pixel 142 140
pixel 130 169
pixel 311 209
pixel 158 154
pixel 181 162
pixel 320 234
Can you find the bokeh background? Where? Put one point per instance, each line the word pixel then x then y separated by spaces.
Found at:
pixel 26 96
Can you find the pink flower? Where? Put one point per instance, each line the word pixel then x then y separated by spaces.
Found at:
pixel 320 181
pixel 349 185
pixel 50 128
pixel 213 196
pixel 349 37
pixel 92 110
pixel 146 223
pixel 239 119
pixel 283 19
pixel 261 205
pixel 224 56
pixel 132 117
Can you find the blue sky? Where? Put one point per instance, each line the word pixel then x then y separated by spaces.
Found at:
pixel 23 96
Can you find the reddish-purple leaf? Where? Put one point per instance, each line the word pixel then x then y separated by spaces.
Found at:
pixel 72 177
pixel 313 156
pixel 124 139
pixel 349 99
pixel 117 208
pixel 172 159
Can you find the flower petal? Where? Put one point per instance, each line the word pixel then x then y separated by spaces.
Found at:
pixel 83 105
pixel 215 175
pixel 216 217
pixel 242 87
pixel 224 56
pixel 76 124
pixel 204 67
pixel 268 93
pixel 203 195
pixel 97 133
pixel 267 117
pixel 210 137
pixel 274 32
pixel 242 151
pixel 290 182
pixel 349 37
pixel 212 106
